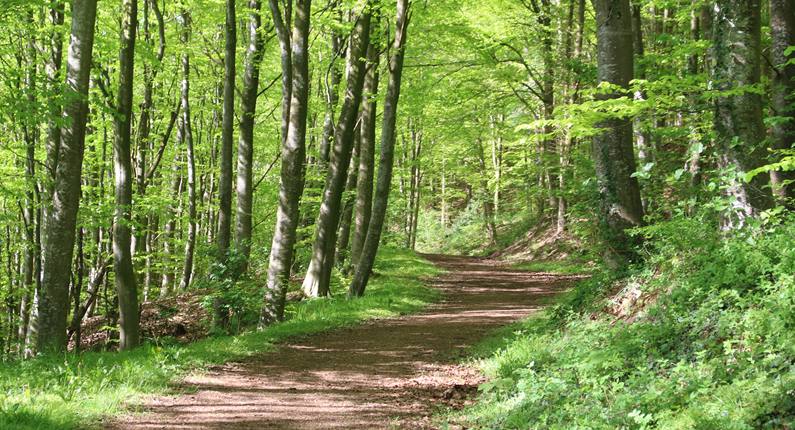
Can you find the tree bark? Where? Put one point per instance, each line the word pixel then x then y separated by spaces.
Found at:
pixel 227 135
pixel 291 184
pixel 318 275
pixel 381 198
pixel 782 29
pixel 185 136
pixel 126 286
pixel 738 117
pixel 614 159
pixel 59 229
pixel 364 182
pixel 332 91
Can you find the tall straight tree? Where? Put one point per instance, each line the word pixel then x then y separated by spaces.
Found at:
pixel 318 275
pixel 739 129
pixel 295 63
pixel 381 198
pixel 227 134
pixel 245 143
pixel 185 136
pixel 364 184
pixel 613 154
pixel 126 287
pixel 66 164
pixel 332 87
pixel 782 29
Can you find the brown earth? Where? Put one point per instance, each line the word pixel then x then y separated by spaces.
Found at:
pixel 390 373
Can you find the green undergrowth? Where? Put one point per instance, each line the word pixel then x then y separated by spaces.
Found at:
pixel 75 391
pixel 712 346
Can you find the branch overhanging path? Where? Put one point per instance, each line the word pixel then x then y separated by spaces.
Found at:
pixel 382 374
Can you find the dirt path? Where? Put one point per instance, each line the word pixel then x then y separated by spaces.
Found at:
pixel 383 374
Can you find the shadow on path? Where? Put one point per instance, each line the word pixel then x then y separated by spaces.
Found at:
pixel 386 373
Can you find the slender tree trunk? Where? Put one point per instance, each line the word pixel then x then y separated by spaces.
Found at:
pixel 332 91
pixel 291 185
pixel 66 164
pixel 738 117
pixel 364 182
pixel 488 204
pixel 227 135
pixel 167 281
pixel 613 153
pixel 349 198
pixel 245 145
pixel 29 211
pixel 782 29
pixel 318 276
pixel 126 286
pixel 381 198
pixel 185 136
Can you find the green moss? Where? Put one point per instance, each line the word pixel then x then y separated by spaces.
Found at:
pixel 75 391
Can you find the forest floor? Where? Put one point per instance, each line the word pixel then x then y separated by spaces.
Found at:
pixel 388 373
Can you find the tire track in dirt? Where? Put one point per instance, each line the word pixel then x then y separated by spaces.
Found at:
pixel 389 373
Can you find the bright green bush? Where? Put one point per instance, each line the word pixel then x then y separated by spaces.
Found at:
pixel 715 351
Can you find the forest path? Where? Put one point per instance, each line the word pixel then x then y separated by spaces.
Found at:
pixel 388 373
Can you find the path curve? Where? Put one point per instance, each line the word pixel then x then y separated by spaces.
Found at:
pixel 389 373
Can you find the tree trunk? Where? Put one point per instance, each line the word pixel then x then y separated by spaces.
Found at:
pixel 738 117
pixel 126 286
pixel 332 91
pixel 381 198
pixel 245 144
pixel 344 234
pixel 291 185
pixel 59 228
pixel 364 182
pixel 614 159
pixel 782 29
pixel 318 276
pixel 227 134
pixel 186 136
pixel 488 203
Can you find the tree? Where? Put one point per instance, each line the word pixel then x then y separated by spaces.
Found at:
pixel 318 275
pixel 613 155
pixel 126 286
pixel 782 28
pixel 381 198
pixel 738 110
pixel 227 134
pixel 65 164
pixel 185 136
pixel 295 64
pixel 364 183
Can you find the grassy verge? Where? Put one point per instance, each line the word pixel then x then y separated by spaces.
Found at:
pixel 75 391
pixel 713 349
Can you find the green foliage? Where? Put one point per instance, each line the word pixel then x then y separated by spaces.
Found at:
pixel 715 351
pixel 74 391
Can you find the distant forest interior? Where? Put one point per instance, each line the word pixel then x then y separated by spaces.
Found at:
pixel 599 192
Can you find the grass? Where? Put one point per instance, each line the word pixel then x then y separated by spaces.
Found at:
pixel 75 391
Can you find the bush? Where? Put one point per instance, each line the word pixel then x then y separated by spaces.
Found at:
pixel 715 351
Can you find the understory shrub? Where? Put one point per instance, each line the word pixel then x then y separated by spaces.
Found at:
pixel 714 350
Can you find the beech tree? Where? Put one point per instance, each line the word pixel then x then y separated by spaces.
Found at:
pixel 318 275
pixel 364 266
pixel 613 153
pixel 65 163
pixel 126 285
